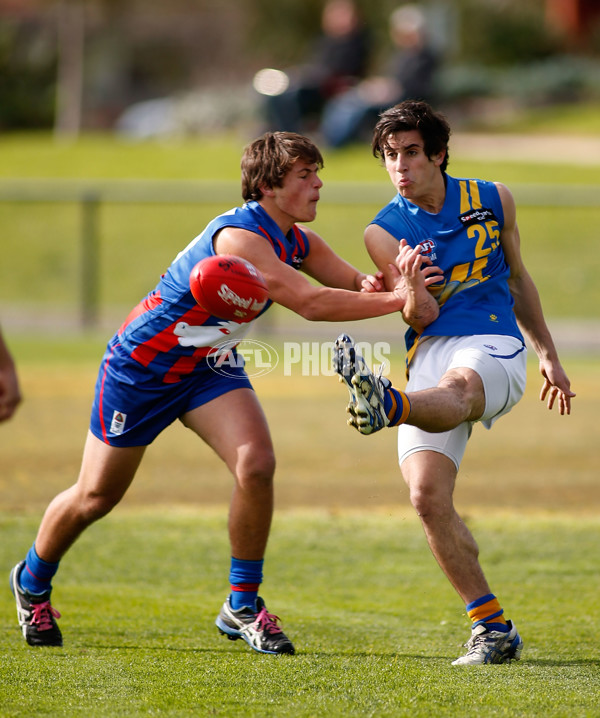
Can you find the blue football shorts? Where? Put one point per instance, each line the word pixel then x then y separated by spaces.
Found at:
pixel 132 405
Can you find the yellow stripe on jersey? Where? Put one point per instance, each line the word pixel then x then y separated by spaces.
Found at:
pixel 410 354
pixel 475 198
pixel 469 195
pixel 465 201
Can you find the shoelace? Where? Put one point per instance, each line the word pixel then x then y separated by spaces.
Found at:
pixel 380 370
pixel 265 620
pixel 480 641
pixel 42 614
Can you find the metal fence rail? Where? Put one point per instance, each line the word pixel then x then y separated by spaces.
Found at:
pixel 213 191
pixel 90 195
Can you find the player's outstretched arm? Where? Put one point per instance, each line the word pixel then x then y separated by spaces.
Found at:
pixel 340 300
pixel 556 388
pixel 406 270
pixel 528 310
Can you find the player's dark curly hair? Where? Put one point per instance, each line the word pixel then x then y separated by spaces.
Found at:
pixel 413 115
pixel 268 159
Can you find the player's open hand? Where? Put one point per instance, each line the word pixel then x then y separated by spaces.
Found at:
pixel 556 388
pixel 414 266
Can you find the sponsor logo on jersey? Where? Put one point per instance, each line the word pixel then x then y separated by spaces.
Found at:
pixel 476 216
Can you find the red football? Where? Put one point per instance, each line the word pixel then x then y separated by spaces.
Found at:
pixel 229 287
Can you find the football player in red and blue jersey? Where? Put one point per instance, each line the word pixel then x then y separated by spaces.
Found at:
pixel 160 367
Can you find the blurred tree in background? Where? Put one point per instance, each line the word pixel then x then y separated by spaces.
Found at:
pixel 27 71
pixel 80 63
pixel 504 33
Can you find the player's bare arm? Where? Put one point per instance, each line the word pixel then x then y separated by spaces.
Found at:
pixel 405 269
pixel 328 268
pixel 289 288
pixel 383 249
pixel 324 265
pixel 421 308
pixel 529 313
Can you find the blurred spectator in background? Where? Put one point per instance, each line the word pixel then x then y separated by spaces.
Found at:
pixel 410 75
pixel 10 396
pixel 337 61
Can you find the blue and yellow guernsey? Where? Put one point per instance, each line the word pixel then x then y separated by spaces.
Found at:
pixel 463 239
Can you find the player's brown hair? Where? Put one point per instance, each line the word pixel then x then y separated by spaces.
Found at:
pixel 268 159
pixel 413 115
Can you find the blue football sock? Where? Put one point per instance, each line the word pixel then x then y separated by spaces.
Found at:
pixel 487 609
pixel 396 406
pixel 245 578
pixel 37 574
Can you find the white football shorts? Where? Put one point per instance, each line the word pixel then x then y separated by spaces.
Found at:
pixel 500 361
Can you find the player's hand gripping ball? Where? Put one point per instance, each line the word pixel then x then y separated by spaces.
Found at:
pixel 229 287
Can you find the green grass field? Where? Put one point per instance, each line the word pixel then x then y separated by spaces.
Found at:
pixel 375 623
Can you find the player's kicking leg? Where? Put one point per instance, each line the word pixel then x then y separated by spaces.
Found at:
pixel 374 404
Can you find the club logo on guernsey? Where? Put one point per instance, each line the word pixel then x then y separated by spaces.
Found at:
pixel 428 248
pixel 117 425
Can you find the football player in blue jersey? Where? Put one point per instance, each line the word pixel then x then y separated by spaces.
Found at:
pixel 160 367
pixel 466 356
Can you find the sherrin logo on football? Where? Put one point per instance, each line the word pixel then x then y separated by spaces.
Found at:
pixel 229 287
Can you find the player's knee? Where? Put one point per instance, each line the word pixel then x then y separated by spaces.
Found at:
pixel 256 471
pixel 429 502
pixel 93 506
pixel 468 395
pixel 420 501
